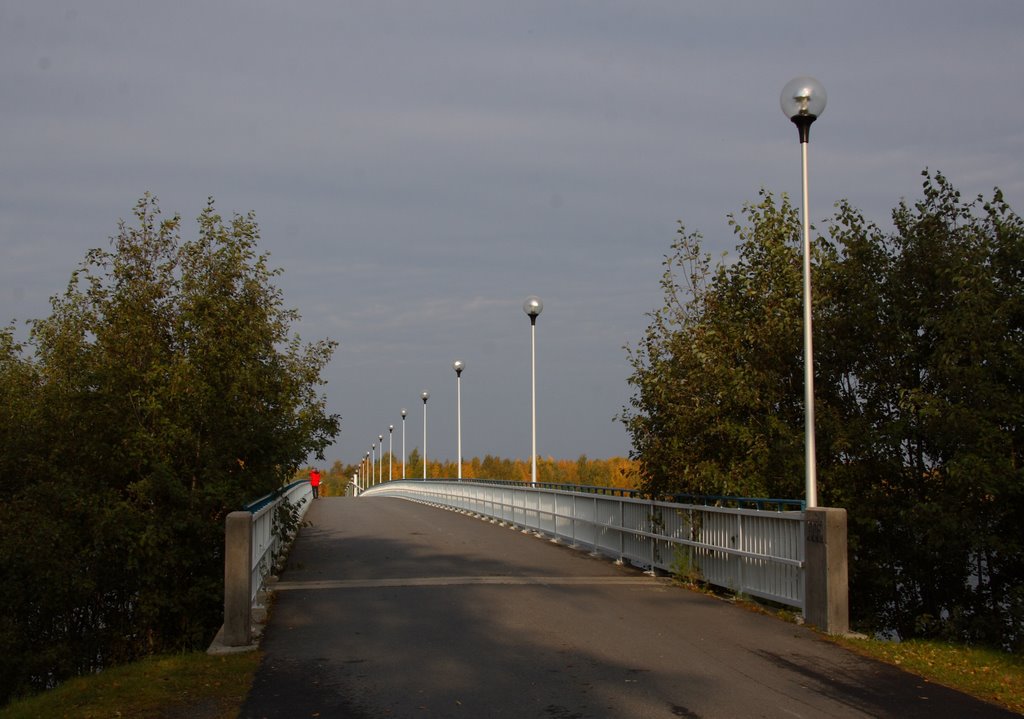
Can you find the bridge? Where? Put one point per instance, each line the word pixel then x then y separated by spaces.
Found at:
pixel 390 607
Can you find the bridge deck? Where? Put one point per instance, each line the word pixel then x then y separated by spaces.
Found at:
pixel 389 608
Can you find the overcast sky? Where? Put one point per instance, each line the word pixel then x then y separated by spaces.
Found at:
pixel 418 168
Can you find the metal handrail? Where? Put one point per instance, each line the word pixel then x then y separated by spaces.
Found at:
pixel 266 543
pixel 706 500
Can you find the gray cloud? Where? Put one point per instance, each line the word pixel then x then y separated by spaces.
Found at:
pixel 417 169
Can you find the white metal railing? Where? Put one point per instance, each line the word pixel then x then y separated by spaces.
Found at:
pixel 265 541
pixel 755 552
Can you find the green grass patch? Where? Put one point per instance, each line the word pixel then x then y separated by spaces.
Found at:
pixel 996 677
pixel 194 685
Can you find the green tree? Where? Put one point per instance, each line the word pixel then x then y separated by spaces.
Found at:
pixel 714 409
pixel 166 389
pixel 919 349
pixel 933 409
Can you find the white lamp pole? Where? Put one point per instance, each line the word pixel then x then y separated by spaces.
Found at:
pixel 391 454
pixel 403 442
pixel 425 396
pixel 803 100
pixel 380 464
pixel 458 366
pixel 373 457
pixel 533 307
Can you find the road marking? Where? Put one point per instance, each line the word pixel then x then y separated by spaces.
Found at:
pixel 463 581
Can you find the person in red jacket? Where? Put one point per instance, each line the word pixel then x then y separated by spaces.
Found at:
pixel 314 482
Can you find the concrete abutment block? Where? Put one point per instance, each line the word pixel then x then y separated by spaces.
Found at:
pixel 826 577
pixel 238 579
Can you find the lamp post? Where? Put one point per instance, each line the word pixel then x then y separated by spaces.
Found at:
pixel 458 366
pixel 403 442
pixel 380 464
pixel 373 470
pixel 425 396
pixel 391 454
pixel 533 307
pixel 803 100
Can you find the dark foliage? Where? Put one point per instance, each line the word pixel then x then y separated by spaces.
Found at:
pixel 164 391
pixel 919 367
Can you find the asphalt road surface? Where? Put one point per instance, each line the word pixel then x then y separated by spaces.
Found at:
pixel 393 609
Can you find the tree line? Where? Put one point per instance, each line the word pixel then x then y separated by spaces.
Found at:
pixel 165 390
pixel 919 378
pixel 620 472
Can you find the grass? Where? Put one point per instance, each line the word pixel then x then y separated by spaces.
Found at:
pixel 994 676
pixel 194 685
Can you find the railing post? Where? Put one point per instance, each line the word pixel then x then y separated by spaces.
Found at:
pixel 740 579
pixel 238 579
pixel 622 533
pixel 826 581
